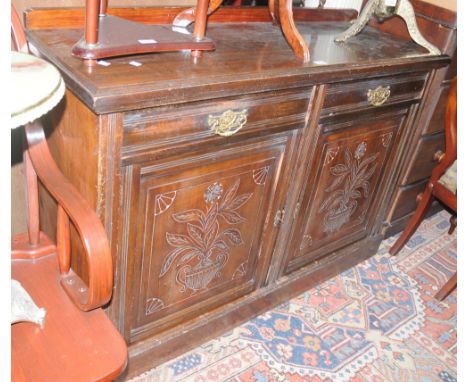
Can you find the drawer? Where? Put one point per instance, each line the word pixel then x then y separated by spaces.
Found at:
pixel 157 129
pixel 405 200
pixel 423 160
pixel 370 93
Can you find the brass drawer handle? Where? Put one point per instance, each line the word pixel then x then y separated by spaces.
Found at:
pixel 378 96
pixel 228 123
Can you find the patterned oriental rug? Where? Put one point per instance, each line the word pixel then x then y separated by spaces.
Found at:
pixel 376 322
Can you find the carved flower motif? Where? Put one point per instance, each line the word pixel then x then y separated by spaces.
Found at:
pixel 360 151
pixel 213 192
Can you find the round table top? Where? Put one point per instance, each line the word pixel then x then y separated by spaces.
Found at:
pixel 37 88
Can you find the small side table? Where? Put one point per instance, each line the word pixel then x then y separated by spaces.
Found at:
pixel 76 341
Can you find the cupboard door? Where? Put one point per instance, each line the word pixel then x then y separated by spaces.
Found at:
pixel 203 231
pixel 340 199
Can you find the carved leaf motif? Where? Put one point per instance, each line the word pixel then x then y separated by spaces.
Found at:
pixel 333 199
pixel 212 234
pixel 221 245
pixel 189 216
pixel 195 233
pixel 188 256
pixel 170 259
pixel 341 203
pixel 234 236
pixel 204 240
pixel 336 182
pixel 239 202
pixel 231 217
pixel 339 169
pixel 177 240
pixel 229 195
pixel 365 188
pixel 348 158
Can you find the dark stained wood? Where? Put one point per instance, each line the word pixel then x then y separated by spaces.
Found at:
pixel 53 18
pixel 120 37
pixel 156 169
pixel 439 26
pixel 424 158
pixel 447 288
pixel 165 76
pixel 433 187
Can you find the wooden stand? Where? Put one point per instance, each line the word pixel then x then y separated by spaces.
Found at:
pixel 280 11
pixel 403 9
pixel 110 36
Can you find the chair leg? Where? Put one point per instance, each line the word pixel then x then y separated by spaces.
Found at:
pixel 449 286
pixel 453 224
pixel 414 222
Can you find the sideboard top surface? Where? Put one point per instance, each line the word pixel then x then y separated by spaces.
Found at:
pixel 246 55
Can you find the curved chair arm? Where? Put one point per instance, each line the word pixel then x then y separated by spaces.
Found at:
pixel 450 127
pixel 88 225
pixel 17 32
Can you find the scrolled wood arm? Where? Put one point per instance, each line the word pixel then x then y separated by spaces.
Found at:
pixel 450 154
pixel 85 220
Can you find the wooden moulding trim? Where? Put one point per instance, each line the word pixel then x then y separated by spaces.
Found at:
pixel 435 13
pixel 64 18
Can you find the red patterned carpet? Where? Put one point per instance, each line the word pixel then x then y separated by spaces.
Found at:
pixel 376 322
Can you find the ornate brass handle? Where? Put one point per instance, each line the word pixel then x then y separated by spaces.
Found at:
pixel 228 123
pixel 378 96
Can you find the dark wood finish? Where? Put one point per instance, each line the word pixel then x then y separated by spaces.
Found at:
pixel 448 287
pixel 153 160
pixel 109 36
pixel 338 204
pixel 423 158
pixel 439 27
pixel 58 18
pixel 120 37
pixel 434 189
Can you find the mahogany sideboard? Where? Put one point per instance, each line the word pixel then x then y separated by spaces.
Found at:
pixel 231 183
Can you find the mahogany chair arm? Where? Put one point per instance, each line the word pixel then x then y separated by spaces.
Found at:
pixel 17 32
pixel 450 155
pixel 92 234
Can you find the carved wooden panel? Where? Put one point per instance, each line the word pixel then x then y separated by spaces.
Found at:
pixel 200 232
pixel 338 204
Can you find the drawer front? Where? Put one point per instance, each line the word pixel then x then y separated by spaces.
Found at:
pixel 339 203
pixel 372 93
pixel 423 160
pixel 200 231
pixel 206 123
pixel 405 200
